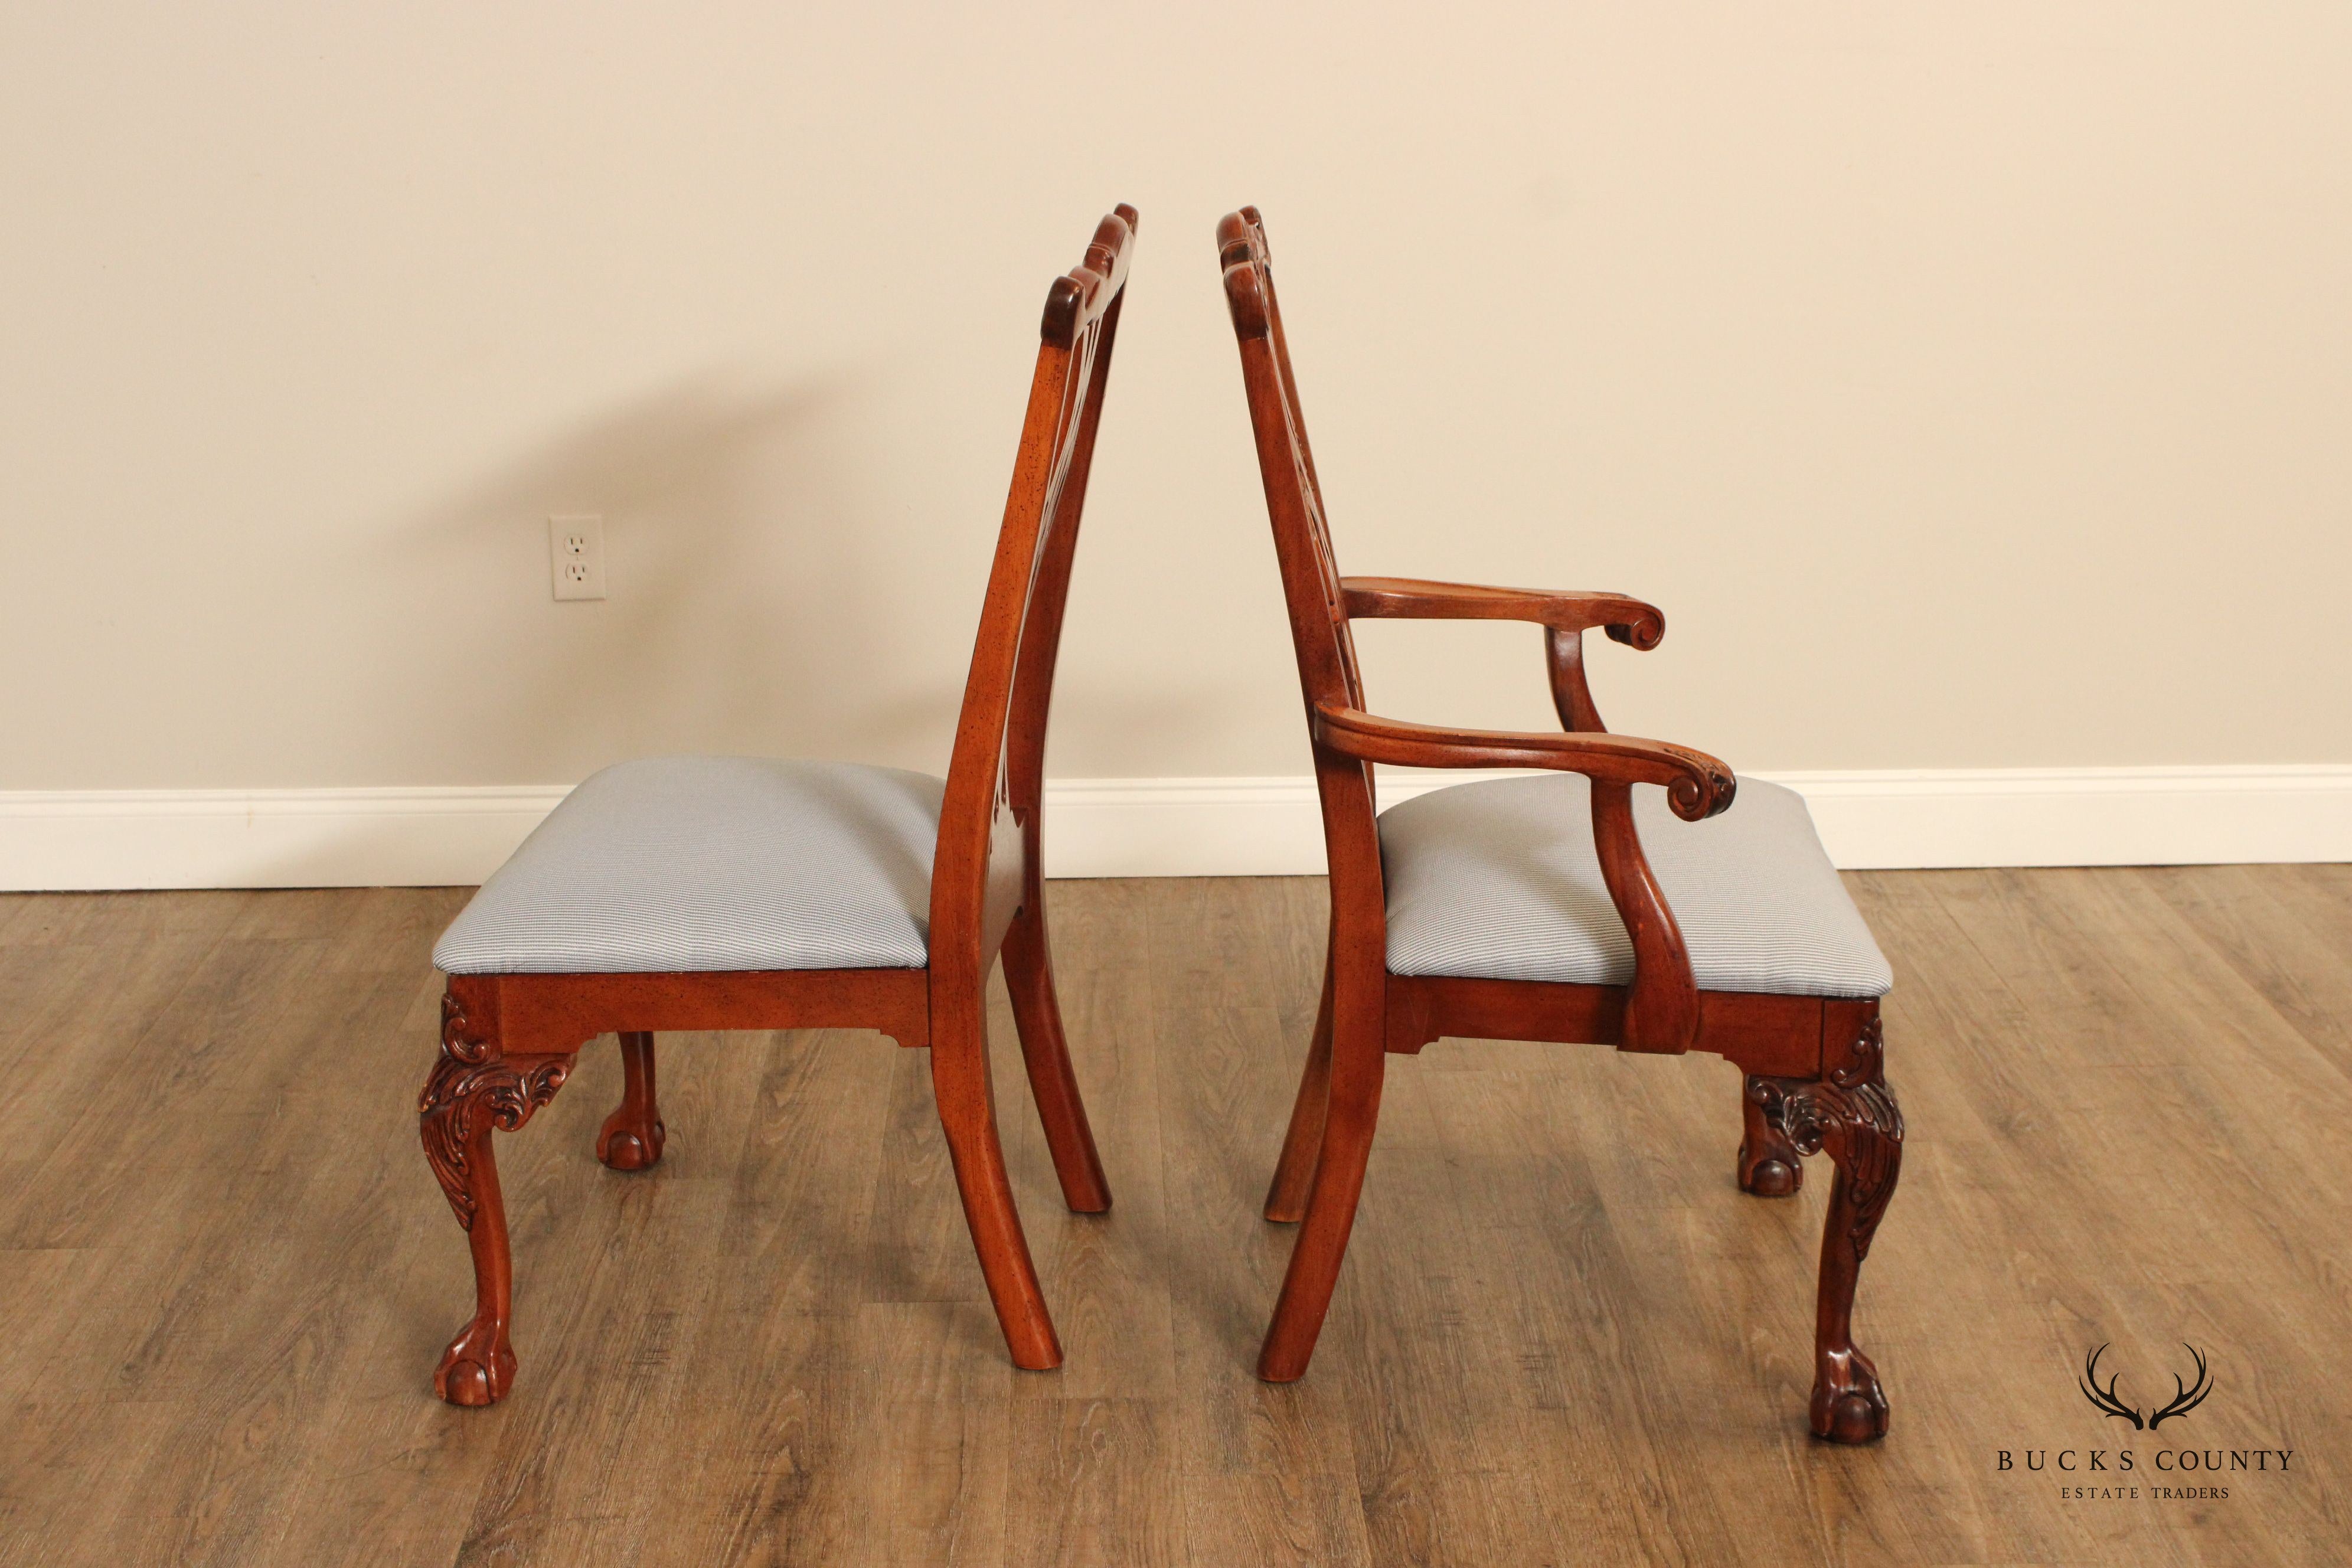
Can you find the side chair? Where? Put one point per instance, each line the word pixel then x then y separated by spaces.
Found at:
pixel 1673 922
pixel 750 893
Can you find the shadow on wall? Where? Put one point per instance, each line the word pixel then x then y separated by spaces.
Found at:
pixel 774 590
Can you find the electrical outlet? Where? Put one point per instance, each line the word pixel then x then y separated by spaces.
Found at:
pixel 575 546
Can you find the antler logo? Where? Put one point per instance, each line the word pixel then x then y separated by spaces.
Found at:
pixel 2184 1399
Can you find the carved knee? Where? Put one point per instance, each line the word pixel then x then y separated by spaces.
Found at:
pixel 474 1087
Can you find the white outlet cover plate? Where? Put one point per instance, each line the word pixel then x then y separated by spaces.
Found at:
pixel 575 553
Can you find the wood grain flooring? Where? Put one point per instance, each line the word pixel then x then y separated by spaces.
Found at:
pixel 1562 1336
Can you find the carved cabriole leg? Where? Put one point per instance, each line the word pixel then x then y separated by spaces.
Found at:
pixel 1851 1116
pixel 1768 1166
pixel 632 1137
pixel 474 1088
pixel 1302 1144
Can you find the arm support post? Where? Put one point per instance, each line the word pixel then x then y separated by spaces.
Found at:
pixel 1661 1004
pixel 1565 618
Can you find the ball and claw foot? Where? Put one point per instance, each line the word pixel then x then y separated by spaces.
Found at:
pixel 627 1144
pixel 1770 1165
pixel 1848 1404
pixel 477 1368
pixel 1770 1177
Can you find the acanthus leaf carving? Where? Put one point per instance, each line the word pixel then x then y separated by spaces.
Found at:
pixel 1853 1115
pixel 1866 1058
pixel 471 1090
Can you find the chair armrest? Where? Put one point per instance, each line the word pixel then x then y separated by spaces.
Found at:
pixel 1565 618
pixel 1628 621
pixel 1662 1003
pixel 1697 785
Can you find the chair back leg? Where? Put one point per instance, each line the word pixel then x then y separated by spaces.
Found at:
pixel 1358 1062
pixel 1302 1143
pixel 960 1079
pixel 1037 1013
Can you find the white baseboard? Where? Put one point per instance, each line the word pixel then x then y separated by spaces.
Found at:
pixel 1181 826
pixel 2080 817
pixel 106 839
pixel 1868 820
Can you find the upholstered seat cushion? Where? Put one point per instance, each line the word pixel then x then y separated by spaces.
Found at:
pixel 676 863
pixel 1500 880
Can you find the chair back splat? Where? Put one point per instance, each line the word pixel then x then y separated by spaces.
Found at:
pixel 987 864
pixel 1302 542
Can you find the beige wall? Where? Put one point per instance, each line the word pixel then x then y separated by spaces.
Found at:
pixel 1970 384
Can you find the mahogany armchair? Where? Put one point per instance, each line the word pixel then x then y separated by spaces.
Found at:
pixel 747 893
pixel 1567 906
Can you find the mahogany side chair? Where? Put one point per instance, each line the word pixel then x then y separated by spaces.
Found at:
pixel 1492 910
pixel 750 893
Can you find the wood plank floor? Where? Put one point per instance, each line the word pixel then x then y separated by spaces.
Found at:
pixel 1562 1335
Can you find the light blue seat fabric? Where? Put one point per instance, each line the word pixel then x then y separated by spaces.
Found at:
pixel 702 863
pixel 1499 881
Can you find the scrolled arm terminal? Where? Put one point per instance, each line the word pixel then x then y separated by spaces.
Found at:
pixel 1627 620
pixel 1697 785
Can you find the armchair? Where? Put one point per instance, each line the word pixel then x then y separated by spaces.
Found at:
pixel 1575 906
